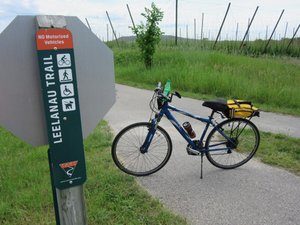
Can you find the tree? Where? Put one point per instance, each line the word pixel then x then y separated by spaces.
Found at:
pixel 148 35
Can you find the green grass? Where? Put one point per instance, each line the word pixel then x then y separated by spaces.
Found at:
pixel 280 150
pixel 111 196
pixel 270 83
pixel 251 48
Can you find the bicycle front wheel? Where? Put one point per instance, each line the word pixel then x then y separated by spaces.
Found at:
pixel 234 151
pixel 128 157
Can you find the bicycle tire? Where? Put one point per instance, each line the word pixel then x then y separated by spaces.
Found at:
pixel 67 62
pixel 133 141
pixel 60 62
pixel 238 148
pixel 64 62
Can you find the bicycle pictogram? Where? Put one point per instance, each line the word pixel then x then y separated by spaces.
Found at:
pixel 63 60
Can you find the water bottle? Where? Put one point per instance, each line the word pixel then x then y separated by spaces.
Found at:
pixel 167 88
pixel 188 127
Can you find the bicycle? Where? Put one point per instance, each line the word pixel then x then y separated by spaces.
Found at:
pixel 143 148
pixel 64 61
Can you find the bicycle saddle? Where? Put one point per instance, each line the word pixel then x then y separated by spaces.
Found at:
pixel 216 105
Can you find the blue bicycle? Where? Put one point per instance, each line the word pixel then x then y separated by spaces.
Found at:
pixel 144 148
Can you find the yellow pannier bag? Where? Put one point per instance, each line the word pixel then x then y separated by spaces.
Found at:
pixel 241 109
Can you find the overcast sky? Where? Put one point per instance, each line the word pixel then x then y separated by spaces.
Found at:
pixel 188 10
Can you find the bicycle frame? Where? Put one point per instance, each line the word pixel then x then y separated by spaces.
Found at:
pixel 166 110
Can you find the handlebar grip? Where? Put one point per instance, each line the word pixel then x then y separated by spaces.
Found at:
pixel 159 85
pixel 177 94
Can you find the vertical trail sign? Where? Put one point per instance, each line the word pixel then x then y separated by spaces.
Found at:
pixel 61 106
pixel 47 93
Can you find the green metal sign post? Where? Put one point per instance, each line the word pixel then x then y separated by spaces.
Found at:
pixel 61 105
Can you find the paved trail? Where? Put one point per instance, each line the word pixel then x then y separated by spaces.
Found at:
pixel 252 194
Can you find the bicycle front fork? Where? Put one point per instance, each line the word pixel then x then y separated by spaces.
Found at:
pixel 151 131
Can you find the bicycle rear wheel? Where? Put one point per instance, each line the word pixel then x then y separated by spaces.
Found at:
pixel 128 157
pixel 243 143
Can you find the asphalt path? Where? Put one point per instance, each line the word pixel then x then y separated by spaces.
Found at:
pixel 252 194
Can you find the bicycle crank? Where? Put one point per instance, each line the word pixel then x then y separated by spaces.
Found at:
pixel 191 151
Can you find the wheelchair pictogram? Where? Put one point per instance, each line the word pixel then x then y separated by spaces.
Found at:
pixel 67 90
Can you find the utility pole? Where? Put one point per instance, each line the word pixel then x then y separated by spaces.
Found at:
pixel 195 30
pixel 202 21
pixel 176 21
pixel 107 33
pixel 87 22
pixel 273 31
pixel 133 25
pixel 249 25
pixel 248 34
pixel 293 37
pixel 266 33
pixel 187 32
pixel 112 28
pixel 286 27
pixel 236 31
pixel 222 25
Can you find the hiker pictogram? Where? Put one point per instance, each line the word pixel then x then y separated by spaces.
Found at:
pixel 67 90
pixel 65 75
pixel 68 104
pixel 63 60
pixel 69 167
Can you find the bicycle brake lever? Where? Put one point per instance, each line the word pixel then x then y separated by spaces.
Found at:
pixel 177 94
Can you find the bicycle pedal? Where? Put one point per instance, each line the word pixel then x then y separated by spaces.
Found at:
pixel 191 151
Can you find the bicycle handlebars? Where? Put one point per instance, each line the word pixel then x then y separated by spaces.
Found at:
pixel 160 93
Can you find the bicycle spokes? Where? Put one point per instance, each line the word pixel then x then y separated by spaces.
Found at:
pixel 129 151
pixel 235 146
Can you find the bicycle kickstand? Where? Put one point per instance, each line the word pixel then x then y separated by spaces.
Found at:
pixel 201 172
